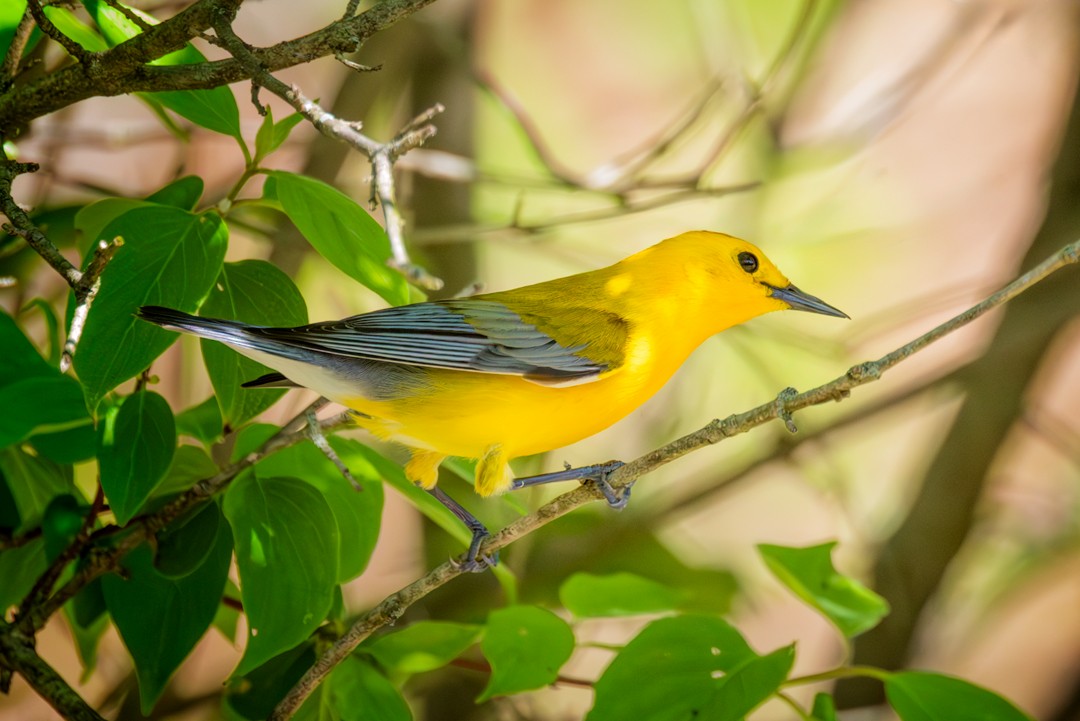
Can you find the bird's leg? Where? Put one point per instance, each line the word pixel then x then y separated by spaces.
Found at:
pixel 596 474
pixel 474 562
pixel 319 439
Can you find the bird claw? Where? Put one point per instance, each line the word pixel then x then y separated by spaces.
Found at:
pixel 476 565
pixel 616 499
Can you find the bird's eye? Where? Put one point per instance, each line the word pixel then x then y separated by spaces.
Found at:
pixel 748 261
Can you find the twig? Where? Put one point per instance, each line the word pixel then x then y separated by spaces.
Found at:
pixel 10 66
pixel 85 293
pixel 103 560
pixel 129 14
pixel 84 56
pixel 17 654
pixel 395 605
pixel 44 585
pixel 7 541
pixel 382 155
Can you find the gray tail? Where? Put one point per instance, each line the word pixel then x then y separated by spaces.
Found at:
pixel 227 331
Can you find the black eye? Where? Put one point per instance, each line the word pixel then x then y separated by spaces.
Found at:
pixel 748 261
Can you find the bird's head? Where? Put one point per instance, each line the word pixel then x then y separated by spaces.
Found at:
pixel 738 281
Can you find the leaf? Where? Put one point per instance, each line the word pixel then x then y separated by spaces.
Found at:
pixel 161 619
pixel 286 551
pixel 67 23
pixel 170 257
pixel 693 664
pixel 925 696
pixel 809 573
pixel 423 646
pixel 189 466
pixel 214 109
pixel 91 220
pixel 20 359
pixel 357 513
pixel 824 708
pixel 60 525
pixel 181 193
pixel 271 135
pixel 619 594
pixel 184 545
pixel 87 628
pixel 43 405
pixel 33 482
pixel 202 422
pixel 136 444
pixel 526 646
pixel 255 292
pixel 20 567
pixel 342 232
pixel 256 694
pixel 356 691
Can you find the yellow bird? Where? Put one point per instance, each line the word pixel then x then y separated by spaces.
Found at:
pixel 502 375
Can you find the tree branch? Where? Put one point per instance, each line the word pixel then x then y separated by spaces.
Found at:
pixel 17 654
pixel 123 69
pixel 787 402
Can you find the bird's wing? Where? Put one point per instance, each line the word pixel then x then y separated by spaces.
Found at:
pixel 468 334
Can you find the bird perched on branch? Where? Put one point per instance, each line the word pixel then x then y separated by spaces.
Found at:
pixel 509 374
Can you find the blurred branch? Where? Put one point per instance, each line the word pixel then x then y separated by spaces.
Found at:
pixel 787 402
pixel 382 155
pixel 17 655
pixel 10 65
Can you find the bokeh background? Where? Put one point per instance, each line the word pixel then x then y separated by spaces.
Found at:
pixel 892 156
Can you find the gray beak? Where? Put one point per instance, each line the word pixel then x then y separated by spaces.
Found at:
pixel 798 300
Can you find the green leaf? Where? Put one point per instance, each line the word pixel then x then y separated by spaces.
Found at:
pixel 61 523
pixel 170 257
pixel 11 12
pixel 526 646
pixel 67 23
pixel 355 691
pixel 136 443
pixel 619 594
pixel 184 545
pixel 20 567
pixel 824 708
pixel 747 687
pixel 256 694
pixel 20 359
pixel 809 573
pixel 255 292
pixel 33 482
pixel 41 406
pixel 52 324
pixel 342 232
pixel 181 193
pixel 357 513
pixel 423 646
pixel 190 465
pixel 271 135
pixel 91 220
pixel 202 422
pixel 925 696
pixel 214 109
pixel 87 628
pixel 287 547
pixel 692 663
pixel 161 619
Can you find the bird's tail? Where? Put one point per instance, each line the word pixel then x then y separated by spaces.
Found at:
pixel 226 331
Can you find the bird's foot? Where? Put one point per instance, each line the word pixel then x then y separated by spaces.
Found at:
pixel 475 562
pixel 616 499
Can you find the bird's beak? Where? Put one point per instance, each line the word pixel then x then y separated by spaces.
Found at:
pixel 799 300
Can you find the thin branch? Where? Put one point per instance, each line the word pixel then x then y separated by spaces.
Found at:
pixel 17 654
pixel 104 560
pixel 10 66
pixel 394 606
pixel 84 56
pixel 382 155
pixel 7 541
pixel 22 226
pixel 85 293
pixel 44 585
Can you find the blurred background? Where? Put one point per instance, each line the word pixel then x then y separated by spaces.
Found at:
pixel 894 157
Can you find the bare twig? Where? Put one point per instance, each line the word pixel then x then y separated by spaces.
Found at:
pixel 381 155
pixel 129 14
pixel 10 66
pixel 84 56
pixel 85 293
pixel 395 605
pixel 17 654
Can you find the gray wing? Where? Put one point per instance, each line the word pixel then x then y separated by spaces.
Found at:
pixel 436 335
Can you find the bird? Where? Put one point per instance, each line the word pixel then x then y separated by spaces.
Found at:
pixel 500 375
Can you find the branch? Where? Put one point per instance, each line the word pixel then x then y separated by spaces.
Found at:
pixel 17 654
pixel 124 69
pixel 10 65
pixel 382 155
pixel 787 402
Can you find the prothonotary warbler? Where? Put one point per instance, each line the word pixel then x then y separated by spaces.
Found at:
pixel 508 374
